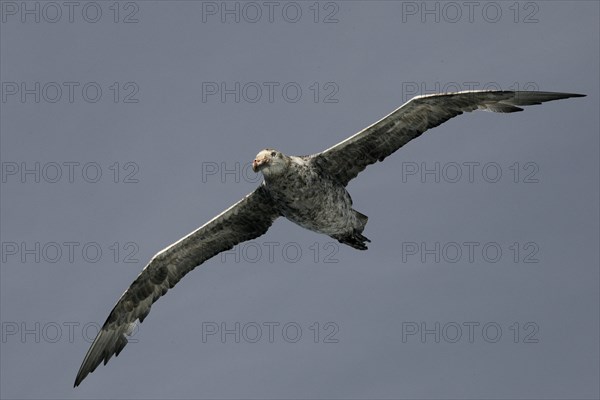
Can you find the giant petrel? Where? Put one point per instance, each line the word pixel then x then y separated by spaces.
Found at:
pixel 308 190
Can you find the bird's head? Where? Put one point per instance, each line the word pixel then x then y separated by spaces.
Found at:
pixel 270 162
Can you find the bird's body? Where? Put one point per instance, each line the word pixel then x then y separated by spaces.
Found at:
pixel 313 200
pixel 309 191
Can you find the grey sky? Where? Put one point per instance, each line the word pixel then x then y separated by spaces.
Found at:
pixel 439 212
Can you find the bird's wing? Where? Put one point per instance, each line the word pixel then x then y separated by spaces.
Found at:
pixel 247 219
pixel 347 159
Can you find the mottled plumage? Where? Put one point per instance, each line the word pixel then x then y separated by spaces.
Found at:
pixel 308 190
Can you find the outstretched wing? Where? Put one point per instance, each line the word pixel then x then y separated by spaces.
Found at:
pixel 247 219
pixel 347 159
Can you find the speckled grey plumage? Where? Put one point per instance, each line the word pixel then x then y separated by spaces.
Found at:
pixel 313 200
pixel 308 190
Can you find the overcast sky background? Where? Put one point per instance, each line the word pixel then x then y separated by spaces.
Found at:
pixel 162 127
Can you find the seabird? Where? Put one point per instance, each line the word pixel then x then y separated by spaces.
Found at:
pixel 308 190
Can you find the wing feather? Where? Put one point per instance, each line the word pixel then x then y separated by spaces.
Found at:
pixel 347 159
pixel 247 219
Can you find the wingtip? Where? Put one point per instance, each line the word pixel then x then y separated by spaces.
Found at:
pixel 567 95
pixel 77 381
pixel 80 377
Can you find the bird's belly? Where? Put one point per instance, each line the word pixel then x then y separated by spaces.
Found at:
pixel 329 212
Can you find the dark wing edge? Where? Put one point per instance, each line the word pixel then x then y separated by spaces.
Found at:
pixel 345 160
pixel 247 219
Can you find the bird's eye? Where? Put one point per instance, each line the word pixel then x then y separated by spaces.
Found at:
pixel 273 154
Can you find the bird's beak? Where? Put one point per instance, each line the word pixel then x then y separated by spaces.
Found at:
pixel 258 162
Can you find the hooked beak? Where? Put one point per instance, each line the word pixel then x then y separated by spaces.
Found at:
pixel 256 164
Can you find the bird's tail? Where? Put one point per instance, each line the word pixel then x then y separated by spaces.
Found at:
pixel 354 239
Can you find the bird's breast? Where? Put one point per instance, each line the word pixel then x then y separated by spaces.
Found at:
pixel 313 202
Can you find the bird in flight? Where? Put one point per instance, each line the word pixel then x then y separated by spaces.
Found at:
pixel 308 190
